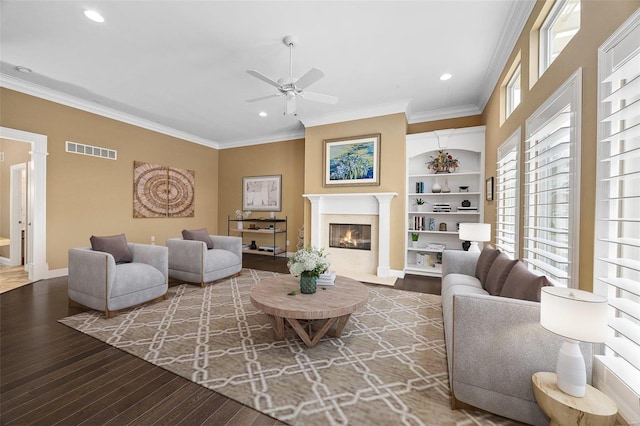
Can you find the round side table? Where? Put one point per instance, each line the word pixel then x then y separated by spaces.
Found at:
pixel 594 409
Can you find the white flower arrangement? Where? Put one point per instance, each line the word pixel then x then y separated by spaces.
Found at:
pixel 242 214
pixel 310 260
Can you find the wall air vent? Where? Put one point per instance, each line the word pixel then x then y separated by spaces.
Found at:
pixel 93 151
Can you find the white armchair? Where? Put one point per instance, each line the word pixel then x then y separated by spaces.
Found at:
pixel 97 282
pixel 191 261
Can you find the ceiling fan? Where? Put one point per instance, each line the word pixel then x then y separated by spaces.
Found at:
pixel 290 87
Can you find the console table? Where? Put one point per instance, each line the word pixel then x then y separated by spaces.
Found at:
pixel 272 228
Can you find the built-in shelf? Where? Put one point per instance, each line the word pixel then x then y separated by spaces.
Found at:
pixel 467 145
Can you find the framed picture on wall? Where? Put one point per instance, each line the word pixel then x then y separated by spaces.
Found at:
pixel 490 189
pixel 352 161
pixel 262 193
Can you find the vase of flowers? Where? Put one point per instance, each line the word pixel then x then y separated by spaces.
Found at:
pixel 241 215
pixel 443 163
pixel 308 264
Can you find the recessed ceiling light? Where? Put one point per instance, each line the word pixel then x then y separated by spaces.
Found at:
pixel 93 15
pixel 445 76
pixel 262 114
pixel 23 69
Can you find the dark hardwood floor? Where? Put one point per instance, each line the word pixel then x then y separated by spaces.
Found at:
pixel 51 374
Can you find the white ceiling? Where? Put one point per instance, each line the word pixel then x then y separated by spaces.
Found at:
pixel 180 66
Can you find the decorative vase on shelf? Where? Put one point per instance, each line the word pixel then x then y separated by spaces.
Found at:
pixel 436 188
pixel 445 188
pixel 308 283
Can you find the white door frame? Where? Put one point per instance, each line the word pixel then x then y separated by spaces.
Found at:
pixel 37 202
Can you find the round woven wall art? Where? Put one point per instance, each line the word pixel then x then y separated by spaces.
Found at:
pixel 160 191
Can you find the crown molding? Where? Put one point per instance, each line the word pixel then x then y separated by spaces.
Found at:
pixel 298 134
pixel 42 92
pixel 515 22
pixel 444 113
pixel 358 114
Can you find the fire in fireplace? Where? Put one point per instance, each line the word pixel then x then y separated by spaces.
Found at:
pixel 350 236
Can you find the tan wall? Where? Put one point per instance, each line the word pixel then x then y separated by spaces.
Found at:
pixel 392 129
pixel 88 195
pixel 280 158
pixel 14 153
pixel 450 123
pixel 598 21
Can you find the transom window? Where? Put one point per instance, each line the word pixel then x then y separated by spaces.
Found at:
pixel 513 91
pixel 557 30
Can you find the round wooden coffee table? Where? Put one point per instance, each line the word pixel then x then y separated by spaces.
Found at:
pixel 329 305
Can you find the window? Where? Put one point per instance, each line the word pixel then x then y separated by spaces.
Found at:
pixel 617 239
pixel 513 91
pixel 557 30
pixel 508 196
pixel 552 185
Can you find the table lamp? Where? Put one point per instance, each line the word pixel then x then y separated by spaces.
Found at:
pixel 578 316
pixel 474 232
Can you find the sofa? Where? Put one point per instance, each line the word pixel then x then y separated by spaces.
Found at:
pixel 493 337
pixel 109 280
pixel 201 258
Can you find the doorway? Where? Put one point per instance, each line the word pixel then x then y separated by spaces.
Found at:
pixel 35 226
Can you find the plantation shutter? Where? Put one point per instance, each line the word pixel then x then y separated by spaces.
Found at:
pixel 552 186
pixel 617 251
pixel 508 196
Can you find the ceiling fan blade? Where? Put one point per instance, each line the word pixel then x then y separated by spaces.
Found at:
pixel 319 97
pixel 264 78
pixel 313 75
pixel 291 105
pixel 262 98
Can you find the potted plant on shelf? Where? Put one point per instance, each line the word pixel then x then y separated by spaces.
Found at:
pixel 420 203
pixel 414 239
pixel 308 263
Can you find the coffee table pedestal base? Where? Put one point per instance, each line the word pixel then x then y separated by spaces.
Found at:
pixel 312 336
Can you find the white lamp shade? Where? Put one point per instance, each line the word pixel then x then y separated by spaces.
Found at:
pixel 475 231
pixel 574 314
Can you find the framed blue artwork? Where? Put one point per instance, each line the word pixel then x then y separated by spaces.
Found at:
pixel 352 161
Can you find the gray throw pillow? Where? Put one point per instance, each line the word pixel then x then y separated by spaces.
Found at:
pixel 198 235
pixel 487 256
pixel 524 284
pixel 498 274
pixel 116 245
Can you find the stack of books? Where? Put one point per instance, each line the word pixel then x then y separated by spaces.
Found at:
pixel 328 278
pixel 441 207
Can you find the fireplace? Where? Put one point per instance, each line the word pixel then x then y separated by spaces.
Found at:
pixel 371 208
pixel 350 236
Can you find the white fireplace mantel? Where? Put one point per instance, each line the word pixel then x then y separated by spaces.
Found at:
pixel 370 203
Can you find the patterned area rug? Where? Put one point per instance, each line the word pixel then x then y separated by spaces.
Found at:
pixel 389 366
